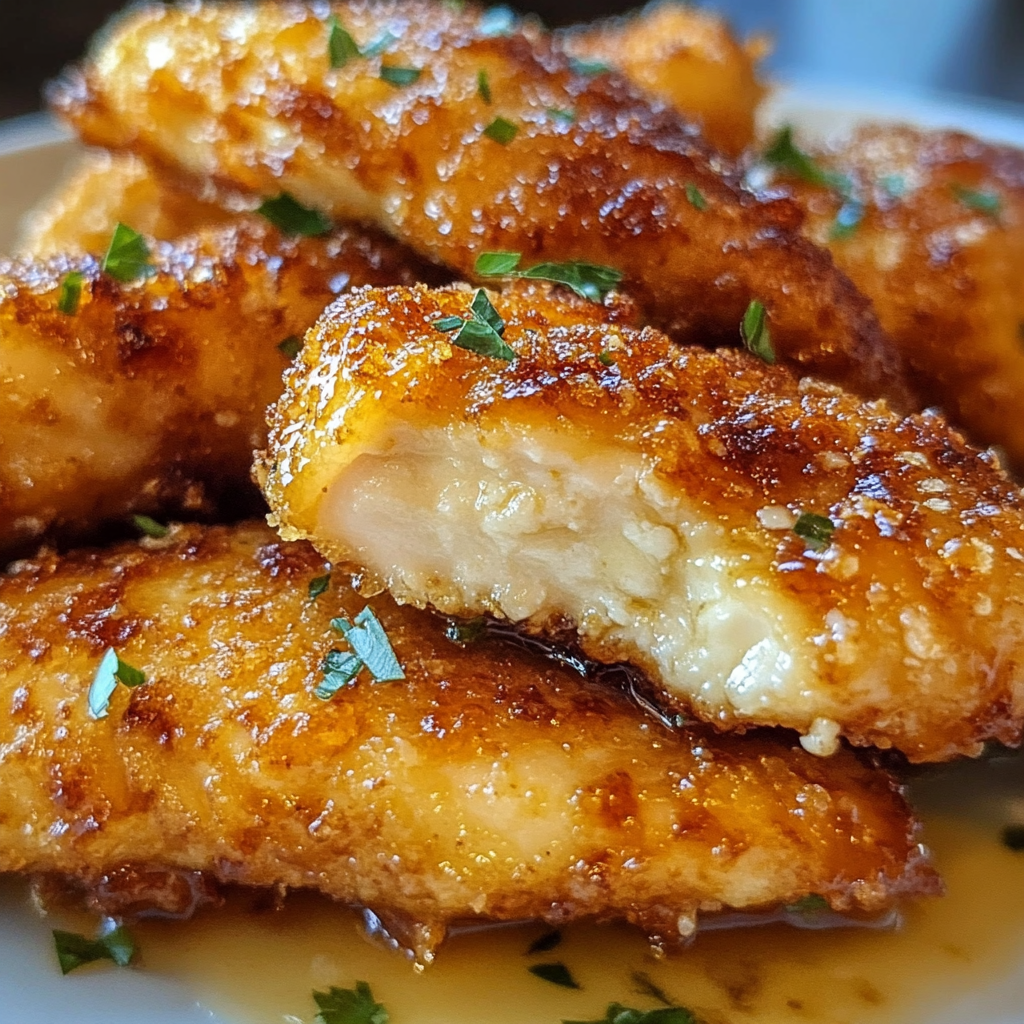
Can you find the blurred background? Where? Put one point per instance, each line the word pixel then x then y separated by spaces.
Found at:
pixel 972 47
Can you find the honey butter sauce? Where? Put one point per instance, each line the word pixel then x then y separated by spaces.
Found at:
pixel 955 958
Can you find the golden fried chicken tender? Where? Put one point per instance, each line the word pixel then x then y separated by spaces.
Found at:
pixel 939 248
pixel 151 396
pixel 688 57
pixel 542 159
pixel 769 551
pixel 107 188
pixel 489 783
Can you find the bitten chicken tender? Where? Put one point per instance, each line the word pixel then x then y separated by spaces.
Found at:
pixel 939 248
pixel 459 136
pixel 487 784
pixel 687 57
pixel 654 499
pixel 151 396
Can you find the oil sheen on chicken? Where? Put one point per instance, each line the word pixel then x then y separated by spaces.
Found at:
pixel 770 551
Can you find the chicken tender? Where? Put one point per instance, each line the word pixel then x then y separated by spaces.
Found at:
pixel 937 243
pixel 107 188
pixel 688 57
pixel 460 136
pixel 769 551
pixel 487 784
pixel 151 396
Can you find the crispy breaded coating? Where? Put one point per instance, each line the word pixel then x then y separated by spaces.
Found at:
pixel 652 497
pixel 939 249
pixel 487 784
pixel 245 97
pixel 151 397
pixel 687 56
pixel 107 188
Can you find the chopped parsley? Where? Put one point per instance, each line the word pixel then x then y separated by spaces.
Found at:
pixel 127 257
pixel 983 202
pixel 784 154
pixel 645 986
pixel 111 671
pixel 589 67
pixel 150 527
pixel 318 586
pixel 71 292
pixel 850 214
pixel 482 332
pixel 399 77
pixel 466 632
pixel 557 973
pixel 379 45
pixel 483 85
pixel 545 943
pixel 588 280
pixel 757 338
pixel 341 47
pixel 606 358
pixel 497 264
pixel 74 951
pixel 619 1014
pixel 291 346
pixel 502 131
pixel 810 904
pixel 561 114
pixel 349 1006
pixel 372 651
pixel 1013 837
pixel 290 217
pixel 815 530
pixel 696 197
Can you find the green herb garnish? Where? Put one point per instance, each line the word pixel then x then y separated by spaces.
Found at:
pixel 74 951
pixel 467 631
pixel 379 45
pixel 561 114
pixel 815 530
pixel 349 1006
pixel 341 47
pixel 339 668
pixel 588 280
pixel 71 292
pixel 150 527
pixel 373 651
pixel 290 217
pixel 757 338
pixel 291 346
pixel 696 197
pixel 482 332
pixel 983 202
pixel 557 973
pixel 619 1014
pixel 645 986
pixel 545 943
pixel 1013 838
pixel 127 257
pixel 399 77
pixel 589 67
pixel 318 586
pixel 483 85
pixel 606 358
pixel 502 131
pixel 787 156
pixel 812 903
pixel 850 214
pixel 497 264
pixel 111 671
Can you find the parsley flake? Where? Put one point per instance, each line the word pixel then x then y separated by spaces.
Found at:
pixel 291 346
pixel 1013 838
pixel 815 530
pixel 696 197
pixel 588 280
pixel 561 114
pixel 589 67
pixel 318 586
pixel 111 670
pixel 379 45
pixel 399 77
pixel 341 47
pixel 983 202
pixel 757 338
pixel 784 154
pixel 482 332
pixel 557 973
pixel 545 943
pixel 74 951
pixel 127 257
pixel 467 631
pixel 483 85
pixel 290 217
pixel 372 651
pixel 150 527
pixel 619 1014
pixel 497 264
pixel 606 358
pixel 502 131
pixel 810 904
pixel 349 1006
pixel 71 292
pixel 340 668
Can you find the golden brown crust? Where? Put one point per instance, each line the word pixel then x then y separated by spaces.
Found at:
pixel 925 570
pixel 151 397
pixel 944 275
pixel 225 762
pixel 686 56
pixel 610 187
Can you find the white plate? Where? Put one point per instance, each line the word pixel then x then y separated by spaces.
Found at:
pixel 34 154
